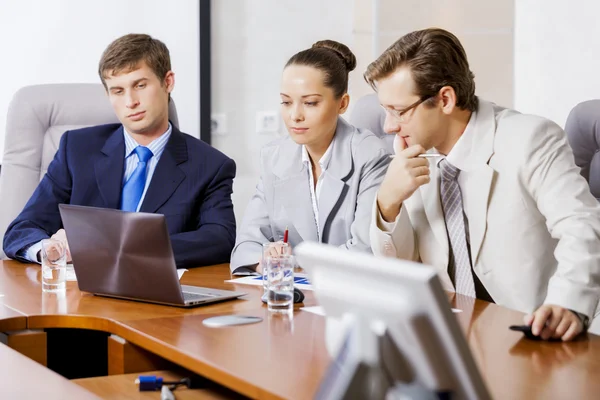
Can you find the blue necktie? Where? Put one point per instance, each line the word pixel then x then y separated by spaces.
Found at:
pixel 134 187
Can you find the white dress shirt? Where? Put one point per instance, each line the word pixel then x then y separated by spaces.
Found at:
pixel 316 192
pixel 461 157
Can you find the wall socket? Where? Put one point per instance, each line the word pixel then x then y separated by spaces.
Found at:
pixel 267 122
pixel 218 124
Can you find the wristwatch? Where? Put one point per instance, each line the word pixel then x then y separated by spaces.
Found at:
pixel 583 318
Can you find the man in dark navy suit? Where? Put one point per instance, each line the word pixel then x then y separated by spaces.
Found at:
pixel 143 164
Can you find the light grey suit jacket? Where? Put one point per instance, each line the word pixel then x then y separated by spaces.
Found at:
pixel 534 225
pixel 358 164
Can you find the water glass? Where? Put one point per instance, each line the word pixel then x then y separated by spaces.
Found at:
pixel 54 265
pixel 272 249
pixel 280 283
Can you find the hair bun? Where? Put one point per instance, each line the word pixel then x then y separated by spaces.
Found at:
pixel 341 50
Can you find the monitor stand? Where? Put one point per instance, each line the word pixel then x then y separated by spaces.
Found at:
pixel 369 365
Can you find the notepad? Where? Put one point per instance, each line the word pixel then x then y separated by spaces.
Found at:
pixel 300 281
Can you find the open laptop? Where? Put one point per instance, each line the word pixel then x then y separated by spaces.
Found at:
pixel 128 255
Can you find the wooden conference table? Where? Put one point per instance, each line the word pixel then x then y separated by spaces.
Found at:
pixel 282 357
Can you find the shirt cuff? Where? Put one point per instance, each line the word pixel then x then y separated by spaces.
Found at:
pixel 31 252
pixel 245 271
pixel 583 318
pixel 383 225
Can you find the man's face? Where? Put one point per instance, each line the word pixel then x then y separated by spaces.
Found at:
pixel 140 99
pixel 419 125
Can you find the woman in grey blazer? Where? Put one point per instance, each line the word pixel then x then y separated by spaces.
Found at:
pixel 320 181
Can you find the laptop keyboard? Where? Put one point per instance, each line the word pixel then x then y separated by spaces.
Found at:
pixel 195 296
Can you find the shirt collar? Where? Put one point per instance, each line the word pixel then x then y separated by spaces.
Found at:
pixel 460 156
pixel 157 146
pixel 324 161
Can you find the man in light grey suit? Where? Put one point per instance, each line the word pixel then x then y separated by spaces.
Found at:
pixel 503 213
pixel 319 182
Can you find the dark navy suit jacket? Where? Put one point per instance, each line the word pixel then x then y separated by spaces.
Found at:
pixel 191 186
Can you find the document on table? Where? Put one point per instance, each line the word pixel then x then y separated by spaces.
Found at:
pixel 300 281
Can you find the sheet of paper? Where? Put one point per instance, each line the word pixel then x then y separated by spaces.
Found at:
pixel 314 309
pixel 71 277
pixel 300 281
pixel 180 273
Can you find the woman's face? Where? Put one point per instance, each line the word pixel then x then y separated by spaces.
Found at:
pixel 309 109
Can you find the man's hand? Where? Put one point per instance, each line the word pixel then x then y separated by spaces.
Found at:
pixel 406 173
pixel 62 236
pixel 554 322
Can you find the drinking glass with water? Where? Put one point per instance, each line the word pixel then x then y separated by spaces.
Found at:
pixel 280 283
pixel 271 249
pixel 54 265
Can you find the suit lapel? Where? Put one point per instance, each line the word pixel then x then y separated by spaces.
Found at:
pixel 291 190
pixel 294 195
pixel 478 187
pixel 340 165
pixel 482 175
pixel 109 169
pixel 433 209
pixel 167 175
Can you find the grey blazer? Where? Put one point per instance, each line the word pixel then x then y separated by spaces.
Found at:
pixel 358 164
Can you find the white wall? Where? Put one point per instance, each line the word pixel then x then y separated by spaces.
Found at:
pixel 485 29
pixel 251 42
pixel 59 41
pixel 557 62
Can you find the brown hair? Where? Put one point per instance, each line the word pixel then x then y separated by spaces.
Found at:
pixel 435 58
pixel 333 58
pixel 125 53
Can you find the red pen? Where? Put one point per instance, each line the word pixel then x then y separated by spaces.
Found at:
pixel 285 235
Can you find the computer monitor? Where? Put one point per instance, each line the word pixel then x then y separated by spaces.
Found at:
pixel 393 326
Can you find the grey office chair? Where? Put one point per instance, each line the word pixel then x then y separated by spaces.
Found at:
pixel 583 133
pixel 37 117
pixel 368 114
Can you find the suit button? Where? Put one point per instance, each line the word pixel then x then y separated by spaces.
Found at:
pixel 388 250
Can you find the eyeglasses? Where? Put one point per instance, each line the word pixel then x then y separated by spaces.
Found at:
pixel 400 115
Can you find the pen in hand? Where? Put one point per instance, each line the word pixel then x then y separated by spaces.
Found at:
pixel 425 155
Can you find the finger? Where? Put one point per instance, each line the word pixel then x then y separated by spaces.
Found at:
pixel 422 180
pixel 417 162
pixel 259 267
pixel 562 328
pixel 528 319
pixel 420 171
pixel 413 151
pixel 539 319
pixel 555 318
pixel 574 329
pixel 399 144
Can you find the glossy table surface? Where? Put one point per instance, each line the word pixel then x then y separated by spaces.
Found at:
pixel 23 378
pixel 284 357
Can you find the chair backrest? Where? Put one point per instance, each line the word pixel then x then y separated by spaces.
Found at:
pixel 37 117
pixel 583 133
pixel 368 114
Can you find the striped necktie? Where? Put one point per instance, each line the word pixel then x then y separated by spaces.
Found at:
pixel 459 266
